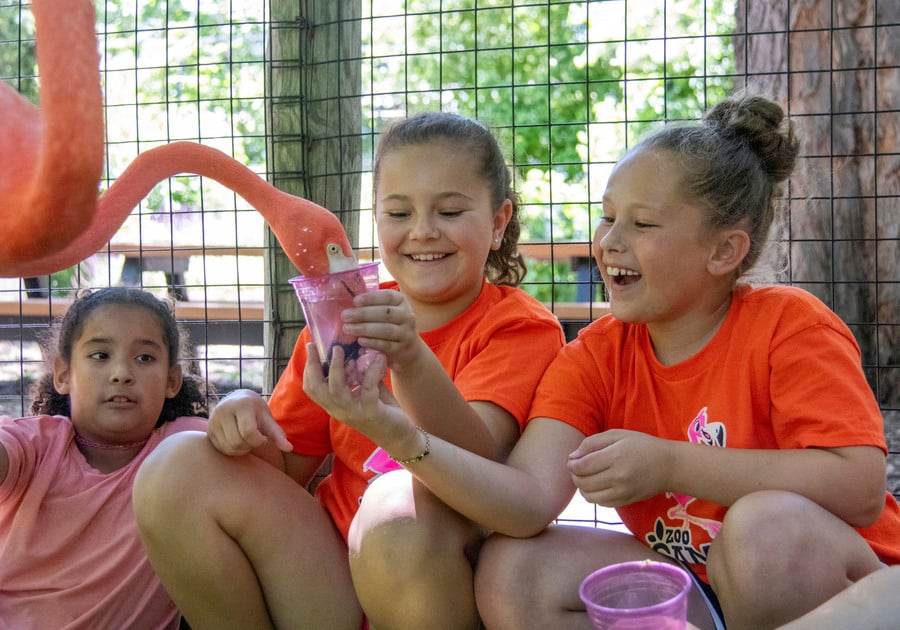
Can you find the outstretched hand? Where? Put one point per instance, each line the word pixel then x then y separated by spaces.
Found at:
pixel 242 422
pixel 619 467
pixel 370 407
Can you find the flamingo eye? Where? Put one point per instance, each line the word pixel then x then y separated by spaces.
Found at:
pixel 333 248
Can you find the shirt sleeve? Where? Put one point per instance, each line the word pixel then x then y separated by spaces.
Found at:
pixel 21 455
pixel 820 396
pixel 513 357
pixel 304 422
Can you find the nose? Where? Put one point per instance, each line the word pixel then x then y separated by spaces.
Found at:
pixel 120 372
pixel 424 226
pixel 606 238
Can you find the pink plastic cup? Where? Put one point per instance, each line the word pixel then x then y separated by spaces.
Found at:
pixel 642 595
pixel 323 298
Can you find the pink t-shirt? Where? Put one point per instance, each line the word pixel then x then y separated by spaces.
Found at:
pixel 70 554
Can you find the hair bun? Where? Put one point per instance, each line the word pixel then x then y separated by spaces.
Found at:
pixel 762 124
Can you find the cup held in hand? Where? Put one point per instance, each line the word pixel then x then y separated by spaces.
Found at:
pixel 323 298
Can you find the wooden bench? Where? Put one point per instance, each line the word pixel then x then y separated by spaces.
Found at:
pixel 209 323
pixel 231 323
pixel 173 261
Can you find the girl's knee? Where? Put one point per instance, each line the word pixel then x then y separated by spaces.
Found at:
pixel 767 518
pixel 501 559
pixel 401 533
pixel 162 477
pixel 774 535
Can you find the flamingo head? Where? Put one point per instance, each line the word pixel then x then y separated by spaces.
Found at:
pixel 312 237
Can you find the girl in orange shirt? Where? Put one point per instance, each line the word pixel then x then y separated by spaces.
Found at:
pixel 465 347
pixel 731 426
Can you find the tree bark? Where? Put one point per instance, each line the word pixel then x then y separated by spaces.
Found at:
pixel 834 64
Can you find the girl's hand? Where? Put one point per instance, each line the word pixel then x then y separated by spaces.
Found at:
pixel 619 467
pixel 242 422
pixel 383 320
pixel 369 408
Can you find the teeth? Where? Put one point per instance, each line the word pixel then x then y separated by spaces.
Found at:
pixel 427 256
pixel 618 271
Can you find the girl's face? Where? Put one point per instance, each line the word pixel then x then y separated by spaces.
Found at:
pixel 436 224
pixel 118 376
pixel 653 249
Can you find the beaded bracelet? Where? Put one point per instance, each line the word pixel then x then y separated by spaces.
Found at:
pixel 417 458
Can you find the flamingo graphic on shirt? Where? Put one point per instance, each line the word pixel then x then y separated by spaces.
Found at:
pixel 700 431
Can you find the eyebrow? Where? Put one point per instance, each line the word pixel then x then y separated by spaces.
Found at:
pixel 106 340
pixel 440 196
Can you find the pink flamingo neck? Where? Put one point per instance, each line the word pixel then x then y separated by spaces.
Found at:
pixel 299 224
pixel 53 158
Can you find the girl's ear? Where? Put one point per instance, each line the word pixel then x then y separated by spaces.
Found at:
pixel 176 377
pixel 61 375
pixel 731 249
pixel 500 221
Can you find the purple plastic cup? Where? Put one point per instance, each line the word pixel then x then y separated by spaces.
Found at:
pixel 323 298
pixel 641 595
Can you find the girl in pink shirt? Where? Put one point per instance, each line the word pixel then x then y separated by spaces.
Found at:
pixel 70 552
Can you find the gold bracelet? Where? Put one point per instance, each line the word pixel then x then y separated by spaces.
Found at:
pixel 417 458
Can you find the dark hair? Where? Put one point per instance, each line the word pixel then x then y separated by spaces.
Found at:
pixel 734 163
pixel 504 265
pixel 192 399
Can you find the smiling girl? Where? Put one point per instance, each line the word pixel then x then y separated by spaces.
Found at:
pixel 465 347
pixel 70 552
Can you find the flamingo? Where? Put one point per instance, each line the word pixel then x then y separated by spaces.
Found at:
pixel 53 157
pixel 311 236
pixel 49 207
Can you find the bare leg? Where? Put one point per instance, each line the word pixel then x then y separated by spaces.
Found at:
pixel 239 544
pixel 870 604
pixel 411 558
pixel 533 582
pixel 779 555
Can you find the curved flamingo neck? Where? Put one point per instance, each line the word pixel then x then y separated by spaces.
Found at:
pixel 157 164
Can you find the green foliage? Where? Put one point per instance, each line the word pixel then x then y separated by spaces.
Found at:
pixel 181 69
pixel 18 57
pixel 567 86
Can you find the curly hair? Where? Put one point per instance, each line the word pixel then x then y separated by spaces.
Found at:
pixel 504 265
pixel 195 395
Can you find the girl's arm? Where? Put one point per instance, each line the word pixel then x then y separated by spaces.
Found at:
pixel 518 498
pixel 620 467
pixel 481 427
pixel 384 321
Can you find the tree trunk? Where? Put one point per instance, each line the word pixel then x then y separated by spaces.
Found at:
pixel 835 63
pixel 836 69
pixel 314 142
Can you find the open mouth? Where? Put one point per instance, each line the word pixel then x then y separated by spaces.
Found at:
pixel 621 276
pixel 119 399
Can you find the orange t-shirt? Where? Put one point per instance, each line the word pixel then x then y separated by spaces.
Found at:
pixel 495 351
pixel 783 372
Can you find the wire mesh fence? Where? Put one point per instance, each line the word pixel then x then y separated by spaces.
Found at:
pixel 298 92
